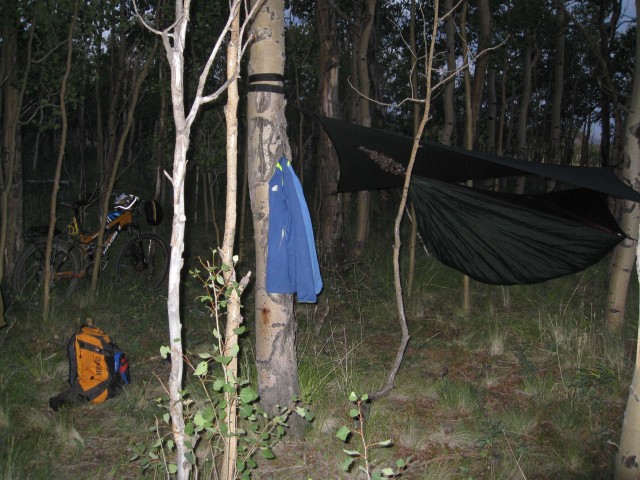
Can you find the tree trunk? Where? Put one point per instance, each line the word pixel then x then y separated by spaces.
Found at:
pixel 267 143
pixel 530 60
pixel 58 171
pixel 627 459
pixel 234 315
pixel 450 86
pixel 480 70
pixel 492 111
pixel 557 95
pixel 330 219
pixel 116 159
pixel 364 197
pixel 11 179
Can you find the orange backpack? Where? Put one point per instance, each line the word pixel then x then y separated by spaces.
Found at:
pixel 97 368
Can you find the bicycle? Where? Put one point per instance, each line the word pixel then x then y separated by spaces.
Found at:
pixel 143 260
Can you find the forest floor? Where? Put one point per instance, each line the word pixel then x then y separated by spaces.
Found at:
pixel 528 385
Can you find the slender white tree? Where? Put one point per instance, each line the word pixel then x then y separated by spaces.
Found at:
pixel 627 465
pixel 174 41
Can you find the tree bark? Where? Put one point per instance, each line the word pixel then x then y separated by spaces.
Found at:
pixel 482 61
pixel 234 315
pixel 364 117
pixel 529 63
pixel 330 231
pixel 267 142
pixel 450 86
pixel 58 171
pixel 627 464
pixel 11 179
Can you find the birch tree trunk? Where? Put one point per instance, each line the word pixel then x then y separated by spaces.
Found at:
pixel 267 142
pixel 627 465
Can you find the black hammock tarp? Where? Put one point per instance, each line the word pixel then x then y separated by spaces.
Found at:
pixel 495 238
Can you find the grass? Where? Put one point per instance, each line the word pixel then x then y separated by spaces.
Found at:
pixel 532 387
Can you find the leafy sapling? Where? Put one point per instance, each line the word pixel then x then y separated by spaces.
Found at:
pixel 362 454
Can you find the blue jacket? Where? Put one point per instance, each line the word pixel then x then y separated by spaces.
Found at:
pixel 292 261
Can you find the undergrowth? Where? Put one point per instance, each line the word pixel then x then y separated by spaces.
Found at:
pixel 528 385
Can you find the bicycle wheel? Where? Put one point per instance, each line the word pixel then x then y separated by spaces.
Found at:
pixel 28 276
pixel 143 261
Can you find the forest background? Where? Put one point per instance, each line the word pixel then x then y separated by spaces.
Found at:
pixel 543 77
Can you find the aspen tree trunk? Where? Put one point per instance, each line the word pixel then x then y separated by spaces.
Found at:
pixel 492 111
pixel 413 234
pixel 58 171
pixel 364 117
pixel 11 191
pixel 267 142
pixel 627 465
pixel 468 131
pixel 528 65
pixel 504 108
pixel 330 231
pixel 480 70
pixel 449 88
pixel 557 95
pixel 234 315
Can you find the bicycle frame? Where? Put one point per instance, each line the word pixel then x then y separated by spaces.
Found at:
pixel 85 241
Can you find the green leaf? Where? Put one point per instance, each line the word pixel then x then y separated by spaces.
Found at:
pixel 364 397
pixel 400 463
pixel 385 443
pixel 388 472
pixel 251 463
pixel 216 334
pixel 208 414
pixel 218 384
pixel 204 355
pixel 170 444
pixel 309 417
pixel 201 369
pixel 223 359
pixel 166 417
pixel 346 465
pixel 248 395
pixel 235 348
pixel 245 411
pixel 352 453
pixel 172 468
pixel 353 397
pixel 239 330
pixel 301 411
pixel 267 453
pixel 235 259
pixel 375 475
pixel 190 457
pixel 164 351
pixel 343 433
pixel 354 412
pixel 219 279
